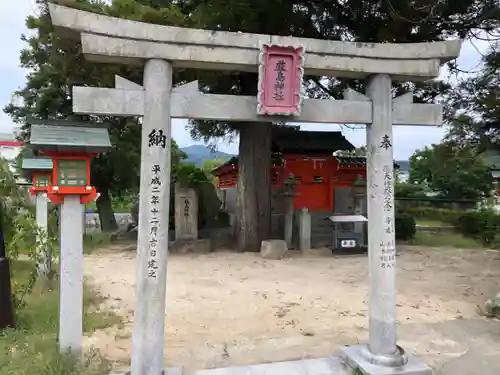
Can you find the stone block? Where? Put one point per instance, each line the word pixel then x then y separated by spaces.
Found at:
pixel 492 307
pixel 186 213
pixel 304 229
pixel 356 362
pixel 273 249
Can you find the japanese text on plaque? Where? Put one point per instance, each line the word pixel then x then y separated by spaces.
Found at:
pixel 388 184
pixel 154 222
pixel 279 85
pixel 157 138
pixel 388 254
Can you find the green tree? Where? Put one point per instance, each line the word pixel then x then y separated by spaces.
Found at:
pixel 20 231
pixel 409 190
pixel 12 197
pixel 209 165
pixel 56 64
pixel 451 172
pixel 473 106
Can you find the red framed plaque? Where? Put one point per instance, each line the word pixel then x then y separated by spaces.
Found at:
pixel 281 70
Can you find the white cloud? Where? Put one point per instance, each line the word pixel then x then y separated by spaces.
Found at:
pixel 12 25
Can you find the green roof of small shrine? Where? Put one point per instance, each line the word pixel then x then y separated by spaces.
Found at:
pixel 289 139
pixel 356 160
pixel 21 181
pixel 69 138
pixel 37 164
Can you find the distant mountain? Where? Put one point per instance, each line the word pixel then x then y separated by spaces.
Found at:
pixel 197 153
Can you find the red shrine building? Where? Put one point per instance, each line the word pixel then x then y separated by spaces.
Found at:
pixel 321 178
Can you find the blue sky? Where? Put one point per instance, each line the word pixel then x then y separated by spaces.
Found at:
pixel 12 25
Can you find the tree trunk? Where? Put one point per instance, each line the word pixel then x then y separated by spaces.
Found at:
pixel 254 181
pixel 106 214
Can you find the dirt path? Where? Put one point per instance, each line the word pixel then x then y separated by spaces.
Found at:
pixel 232 309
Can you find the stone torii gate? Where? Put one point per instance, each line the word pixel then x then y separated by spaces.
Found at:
pixel 162 48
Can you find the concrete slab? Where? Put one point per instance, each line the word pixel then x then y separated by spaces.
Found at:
pixel 320 366
pixel 354 358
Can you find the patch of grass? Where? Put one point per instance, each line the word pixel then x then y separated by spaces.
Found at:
pixel 444 240
pixel 31 348
pixel 20 270
pixel 91 242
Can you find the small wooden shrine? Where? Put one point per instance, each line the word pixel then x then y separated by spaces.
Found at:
pixel 70 147
pixel 308 156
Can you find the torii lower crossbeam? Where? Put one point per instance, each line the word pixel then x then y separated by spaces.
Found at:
pixel 188 103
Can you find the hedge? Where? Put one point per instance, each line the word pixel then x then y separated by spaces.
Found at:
pixel 438 214
pixel 405 226
pixel 482 225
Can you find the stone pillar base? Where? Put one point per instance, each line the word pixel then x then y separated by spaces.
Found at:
pixel 356 358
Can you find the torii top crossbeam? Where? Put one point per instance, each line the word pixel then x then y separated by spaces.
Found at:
pixel 110 39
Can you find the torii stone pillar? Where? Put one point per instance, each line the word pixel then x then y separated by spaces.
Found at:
pixel 107 39
pixel 154 201
pixel 381 236
pixel 382 350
